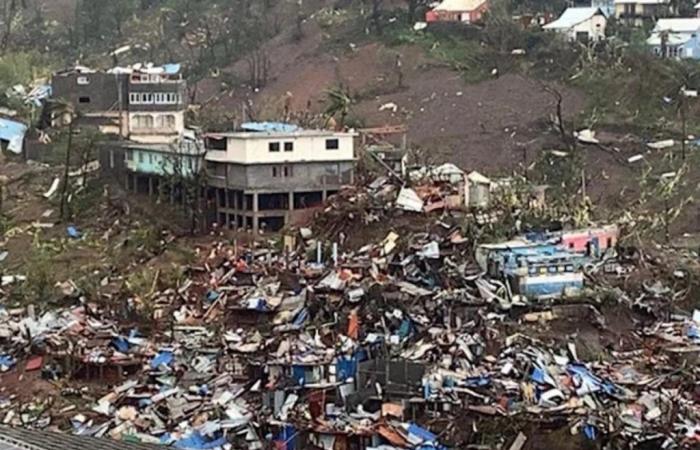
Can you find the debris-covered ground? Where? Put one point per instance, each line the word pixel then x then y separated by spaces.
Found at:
pixel 376 327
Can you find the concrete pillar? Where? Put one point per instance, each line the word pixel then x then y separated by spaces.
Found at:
pixel 150 186
pixel 291 201
pixel 256 217
pixel 324 195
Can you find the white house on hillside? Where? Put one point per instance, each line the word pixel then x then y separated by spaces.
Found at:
pixel 676 38
pixel 581 24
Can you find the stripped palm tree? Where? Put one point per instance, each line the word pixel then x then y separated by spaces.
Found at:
pixel 338 102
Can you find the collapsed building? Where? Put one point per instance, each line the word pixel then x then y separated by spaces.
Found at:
pixel 545 265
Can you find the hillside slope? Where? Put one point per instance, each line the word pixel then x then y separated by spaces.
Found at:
pixel 469 124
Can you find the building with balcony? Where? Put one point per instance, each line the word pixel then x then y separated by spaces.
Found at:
pixel 638 12
pixel 143 103
pixel 142 107
pixel 264 175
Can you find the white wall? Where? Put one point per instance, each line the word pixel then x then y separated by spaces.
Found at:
pixel 179 125
pixel 595 27
pixel 249 148
pixel 156 134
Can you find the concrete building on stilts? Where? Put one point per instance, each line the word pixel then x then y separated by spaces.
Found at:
pixel 266 174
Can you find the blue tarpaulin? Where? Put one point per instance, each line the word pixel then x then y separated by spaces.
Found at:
pixel 540 375
pixel 171 69
pixel 270 127
pixel 162 358
pixel 590 432
pixel 73 232
pixel 13 132
pixel 430 441
pixel 7 361
pixel 121 344
pixel 301 317
pixel 299 374
pixel 346 367
pixel 197 441
pixel 477 382
pixel 582 375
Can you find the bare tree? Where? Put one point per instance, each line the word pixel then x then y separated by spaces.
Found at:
pixel 567 136
pixel 258 68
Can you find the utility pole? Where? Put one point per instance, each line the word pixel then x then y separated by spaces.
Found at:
pixel 684 121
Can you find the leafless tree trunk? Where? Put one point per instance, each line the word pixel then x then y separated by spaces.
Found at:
pixel 259 69
pixel 566 136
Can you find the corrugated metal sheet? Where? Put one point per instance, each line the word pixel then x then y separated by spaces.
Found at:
pixel 24 439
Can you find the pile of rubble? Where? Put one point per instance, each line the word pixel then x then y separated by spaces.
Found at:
pixel 444 188
pixel 313 347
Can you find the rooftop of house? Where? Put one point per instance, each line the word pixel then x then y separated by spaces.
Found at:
pixel 149 68
pixel 678 31
pixel 23 439
pixel 643 2
pixel 572 17
pixel 459 5
pixel 678 25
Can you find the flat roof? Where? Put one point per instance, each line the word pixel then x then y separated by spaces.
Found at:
pixel 279 134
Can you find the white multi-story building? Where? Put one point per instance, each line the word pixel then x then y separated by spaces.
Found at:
pixel 262 176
